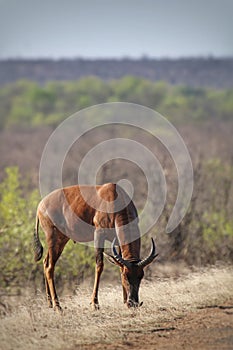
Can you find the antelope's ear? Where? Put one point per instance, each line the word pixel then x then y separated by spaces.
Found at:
pixel 112 260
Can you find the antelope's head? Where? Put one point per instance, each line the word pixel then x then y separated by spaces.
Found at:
pixel 131 273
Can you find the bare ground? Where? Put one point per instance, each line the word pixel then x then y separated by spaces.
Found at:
pixel 190 312
pixel 208 328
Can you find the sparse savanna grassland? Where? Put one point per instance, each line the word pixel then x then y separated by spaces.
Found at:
pixel 192 309
pixel 187 291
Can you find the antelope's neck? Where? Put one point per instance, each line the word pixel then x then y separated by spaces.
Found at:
pixel 131 251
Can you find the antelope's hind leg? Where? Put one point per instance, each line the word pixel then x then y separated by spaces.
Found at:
pixel 56 242
pixel 48 295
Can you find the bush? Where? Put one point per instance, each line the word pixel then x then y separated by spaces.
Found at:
pixel 205 235
pixel 16 215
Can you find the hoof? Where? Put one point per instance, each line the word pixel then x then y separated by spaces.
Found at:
pixel 58 309
pixel 95 306
pixel 49 301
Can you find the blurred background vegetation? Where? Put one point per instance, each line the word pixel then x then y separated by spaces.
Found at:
pixel 26 103
pixel 29 112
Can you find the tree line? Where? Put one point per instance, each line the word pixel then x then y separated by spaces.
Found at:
pixel 199 71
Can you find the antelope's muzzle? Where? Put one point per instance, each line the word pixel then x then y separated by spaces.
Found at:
pixel 131 303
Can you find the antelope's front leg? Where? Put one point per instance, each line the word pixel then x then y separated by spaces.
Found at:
pixel 124 294
pixel 99 249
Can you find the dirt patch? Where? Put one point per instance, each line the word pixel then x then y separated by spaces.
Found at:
pixel 208 328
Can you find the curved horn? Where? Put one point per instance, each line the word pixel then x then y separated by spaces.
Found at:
pixel 117 256
pixel 150 257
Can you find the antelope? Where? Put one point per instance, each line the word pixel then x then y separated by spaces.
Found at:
pixel 89 213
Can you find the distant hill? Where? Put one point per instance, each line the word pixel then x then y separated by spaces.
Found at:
pixel 197 72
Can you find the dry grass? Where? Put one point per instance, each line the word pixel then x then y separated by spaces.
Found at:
pixel 31 325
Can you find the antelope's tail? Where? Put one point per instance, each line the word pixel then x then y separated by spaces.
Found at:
pixel 37 246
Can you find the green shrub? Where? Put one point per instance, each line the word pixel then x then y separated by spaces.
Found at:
pixel 16 222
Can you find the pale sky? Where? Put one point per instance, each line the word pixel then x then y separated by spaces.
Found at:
pixel 115 28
